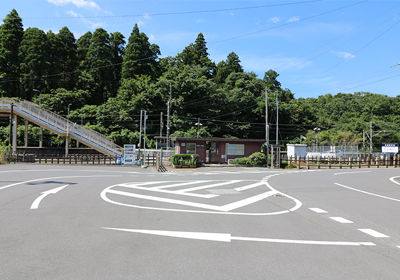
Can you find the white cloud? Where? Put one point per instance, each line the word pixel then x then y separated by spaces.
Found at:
pixel 262 64
pixel 274 20
pixel 293 19
pixel 151 38
pixel 93 25
pixel 345 55
pixel 146 16
pixel 78 3
pixel 141 23
pixel 199 20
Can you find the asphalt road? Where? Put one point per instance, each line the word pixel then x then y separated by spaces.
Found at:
pixel 116 222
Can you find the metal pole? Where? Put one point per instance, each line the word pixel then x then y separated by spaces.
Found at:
pixel 266 117
pixel 161 124
pixel 370 138
pixel 140 131
pixel 11 125
pixel 67 140
pixel 144 139
pixel 168 115
pixel 277 115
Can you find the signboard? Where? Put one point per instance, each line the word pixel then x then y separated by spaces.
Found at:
pixel 390 148
pixel 129 154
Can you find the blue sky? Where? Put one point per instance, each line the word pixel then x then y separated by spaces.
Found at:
pixel 317 47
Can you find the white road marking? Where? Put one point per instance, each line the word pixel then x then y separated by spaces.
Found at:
pixel 51 178
pixel 392 179
pixel 217 209
pixel 318 210
pixel 377 195
pixel 180 184
pixel 36 203
pixel 373 233
pixel 341 220
pixel 249 186
pixel 227 237
pixel 132 186
pixel 353 172
pixel 209 186
pixel 225 208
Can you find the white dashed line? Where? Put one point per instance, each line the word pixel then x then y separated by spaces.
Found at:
pixel 341 220
pixel 373 233
pixel 318 210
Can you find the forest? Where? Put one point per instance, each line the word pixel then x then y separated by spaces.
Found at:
pixel 109 79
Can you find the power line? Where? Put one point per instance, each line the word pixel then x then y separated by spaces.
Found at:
pixel 176 13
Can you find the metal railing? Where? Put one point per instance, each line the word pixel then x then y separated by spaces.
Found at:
pixel 62 126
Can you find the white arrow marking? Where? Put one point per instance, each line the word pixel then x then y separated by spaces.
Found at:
pixel 36 203
pixel 226 237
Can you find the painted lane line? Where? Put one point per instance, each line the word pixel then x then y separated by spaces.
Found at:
pixel 392 179
pixel 354 172
pixel 224 208
pixel 341 220
pixel 51 178
pixel 373 233
pixel 373 194
pixel 227 237
pixel 318 210
pixel 181 184
pixel 36 203
pixel 249 186
pixel 137 187
pixel 209 186
pixel 247 201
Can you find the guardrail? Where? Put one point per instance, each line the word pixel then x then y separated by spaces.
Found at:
pixel 62 126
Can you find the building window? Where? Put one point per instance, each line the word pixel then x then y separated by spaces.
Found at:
pixel 235 149
pixel 190 148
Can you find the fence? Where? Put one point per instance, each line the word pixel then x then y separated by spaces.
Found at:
pixel 346 150
pixel 363 160
pixel 8 157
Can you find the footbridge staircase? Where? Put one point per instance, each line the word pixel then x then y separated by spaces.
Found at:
pixel 31 112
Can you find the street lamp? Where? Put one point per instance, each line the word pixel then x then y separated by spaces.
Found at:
pixel 40 96
pixel 316 137
pixel 198 127
pixel 168 114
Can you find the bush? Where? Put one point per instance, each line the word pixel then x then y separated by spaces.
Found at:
pixel 184 159
pixel 255 159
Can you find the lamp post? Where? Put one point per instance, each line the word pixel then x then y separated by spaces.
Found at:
pixel 316 137
pixel 40 96
pixel 198 127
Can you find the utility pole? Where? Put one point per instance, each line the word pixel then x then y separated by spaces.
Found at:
pixel 370 137
pixel 144 140
pixel 168 116
pixel 11 125
pixel 140 131
pixel 161 124
pixel 277 115
pixel 266 117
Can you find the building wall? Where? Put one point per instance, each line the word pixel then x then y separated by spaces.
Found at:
pixel 249 149
pixel 200 148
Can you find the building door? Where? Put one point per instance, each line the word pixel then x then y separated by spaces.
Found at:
pixel 213 153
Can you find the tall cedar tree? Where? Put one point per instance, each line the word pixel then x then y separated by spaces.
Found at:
pixel 83 45
pixel 196 54
pixel 11 33
pixel 224 68
pixel 98 63
pixel 140 57
pixel 34 58
pixel 117 43
pixel 68 58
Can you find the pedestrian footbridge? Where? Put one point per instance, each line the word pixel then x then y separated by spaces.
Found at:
pixel 55 123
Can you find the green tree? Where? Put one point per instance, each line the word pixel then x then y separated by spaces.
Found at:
pixel 34 58
pixel 197 54
pixel 11 33
pixel 140 57
pixel 68 58
pixel 83 45
pixel 224 68
pixel 117 43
